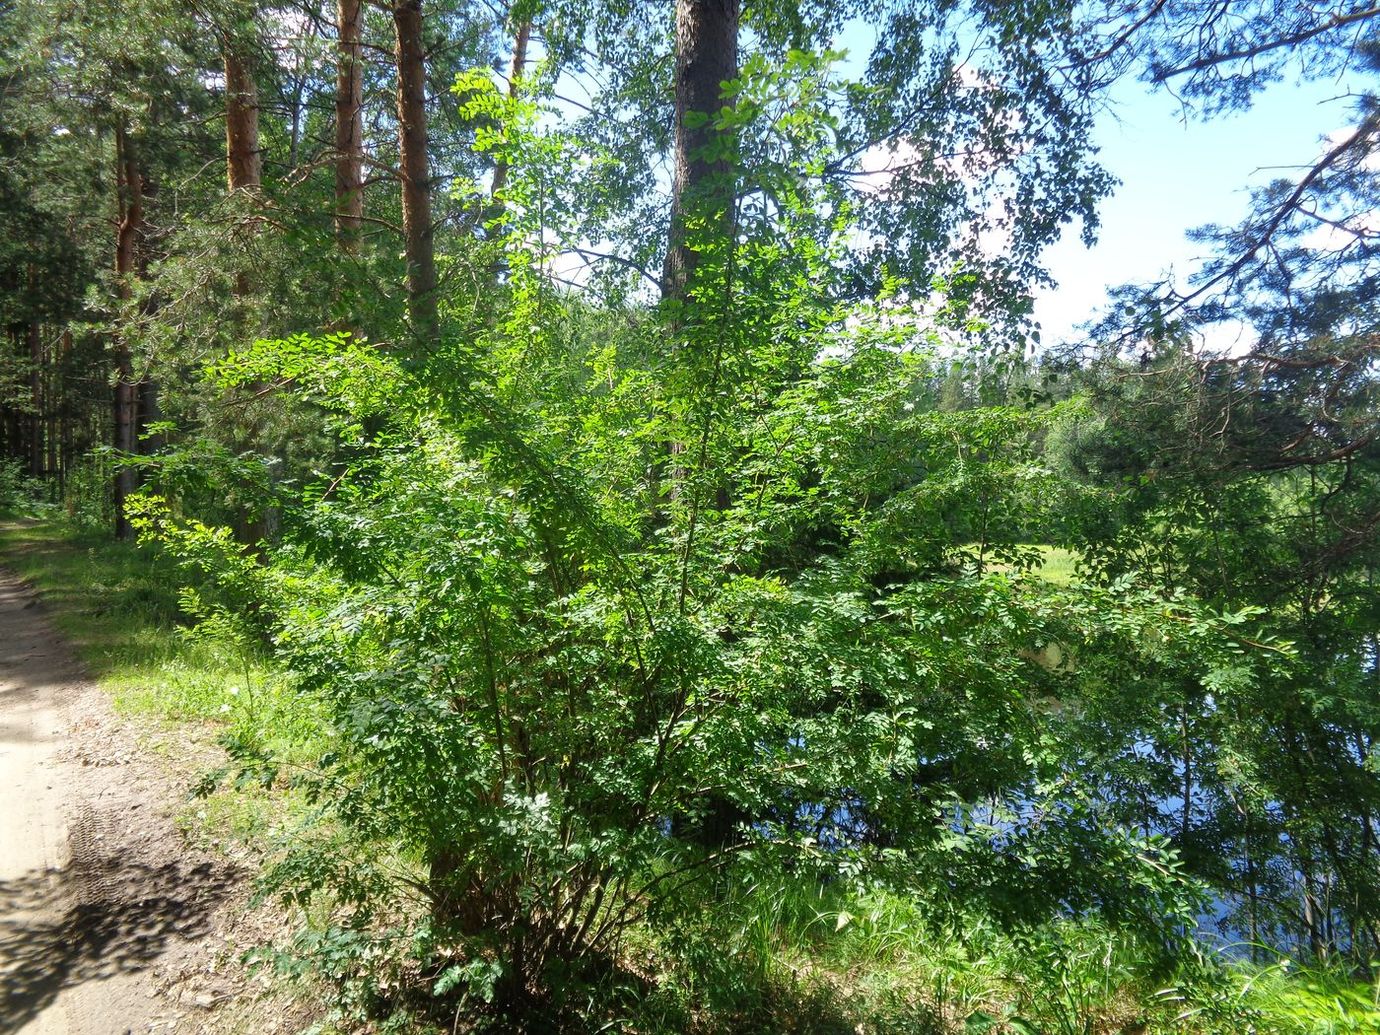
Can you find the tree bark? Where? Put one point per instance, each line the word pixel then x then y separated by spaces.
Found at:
pixel 706 56
pixel 418 244
pixel 14 444
pixel 129 235
pixel 56 407
pixel 702 189
pixel 524 32
pixel 349 127
pixel 36 417
pixel 243 159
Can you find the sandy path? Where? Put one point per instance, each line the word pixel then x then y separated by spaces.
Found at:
pixel 103 911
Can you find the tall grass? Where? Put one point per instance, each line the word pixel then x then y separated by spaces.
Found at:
pixel 877 962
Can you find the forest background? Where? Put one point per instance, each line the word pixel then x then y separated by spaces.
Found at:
pixel 682 591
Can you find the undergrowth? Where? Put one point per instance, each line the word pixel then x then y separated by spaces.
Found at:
pixel 798 957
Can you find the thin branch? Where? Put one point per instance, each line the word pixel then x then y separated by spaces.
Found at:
pixel 1282 212
pixel 1124 37
pixel 1337 21
pixel 593 256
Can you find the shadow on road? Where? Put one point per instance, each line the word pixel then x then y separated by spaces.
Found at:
pixel 54 935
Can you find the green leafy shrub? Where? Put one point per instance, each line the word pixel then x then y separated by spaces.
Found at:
pixel 18 492
pixel 604 628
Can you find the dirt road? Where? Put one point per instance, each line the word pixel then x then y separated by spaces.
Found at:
pixel 104 913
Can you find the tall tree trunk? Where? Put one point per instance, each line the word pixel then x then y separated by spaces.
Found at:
pixel 702 189
pixel 524 32
pixel 244 172
pixel 243 159
pixel 299 88
pixel 349 128
pixel 13 443
pixel 14 447
pixel 418 245
pixel 36 417
pixel 129 235
pixel 54 393
pixel 64 413
pixel 703 185
pixel 150 412
pixel 706 56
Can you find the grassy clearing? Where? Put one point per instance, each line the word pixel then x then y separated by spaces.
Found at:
pixel 1059 565
pixel 1054 564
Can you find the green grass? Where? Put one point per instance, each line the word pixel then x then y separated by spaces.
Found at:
pixel 1055 564
pixel 115 602
pixel 1059 566
pixel 893 968
pixel 118 605
pixel 1314 1001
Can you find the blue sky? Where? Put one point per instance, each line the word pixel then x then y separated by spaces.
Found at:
pixel 1179 171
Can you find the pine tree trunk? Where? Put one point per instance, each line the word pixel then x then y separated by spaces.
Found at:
pixel 150 412
pixel 244 172
pixel 14 448
pixel 418 246
pixel 524 32
pixel 243 159
pixel 706 56
pixel 349 128
pixel 703 184
pixel 63 414
pixel 53 396
pixel 130 233
pixel 703 188
pixel 13 445
pixel 36 421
